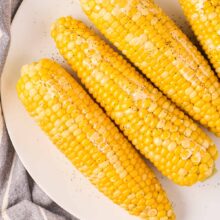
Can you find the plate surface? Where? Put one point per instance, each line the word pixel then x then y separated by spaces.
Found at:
pixel 48 167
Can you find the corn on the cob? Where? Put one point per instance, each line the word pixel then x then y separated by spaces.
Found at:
pixel 172 141
pixel 204 17
pixel 152 41
pixel 81 130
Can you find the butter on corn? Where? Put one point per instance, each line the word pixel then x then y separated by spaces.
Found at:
pixel 204 17
pixel 88 138
pixel 151 40
pixel 172 141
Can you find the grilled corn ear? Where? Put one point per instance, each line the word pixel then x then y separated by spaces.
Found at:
pixel 151 40
pixel 204 17
pixel 172 141
pixel 88 138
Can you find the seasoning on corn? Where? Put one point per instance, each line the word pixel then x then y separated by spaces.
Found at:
pixel 152 41
pixel 204 17
pixel 172 141
pixel 82 131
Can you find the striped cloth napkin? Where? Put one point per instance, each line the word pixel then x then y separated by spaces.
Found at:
pixel 20 197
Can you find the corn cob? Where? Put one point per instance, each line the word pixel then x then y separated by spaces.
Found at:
pixel 152 41
pixel 204 17
pixel 172 141
pixel 81 131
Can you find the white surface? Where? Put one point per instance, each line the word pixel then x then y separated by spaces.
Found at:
pixel 30 42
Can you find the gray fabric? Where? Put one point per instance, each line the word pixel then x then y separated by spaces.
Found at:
pixel 20 197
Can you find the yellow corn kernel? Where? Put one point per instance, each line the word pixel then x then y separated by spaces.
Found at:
pixel 204 17
pixel 145 116
pixel 88 138
pixel 152 41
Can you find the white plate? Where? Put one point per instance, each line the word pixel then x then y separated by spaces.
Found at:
pixel 54 174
